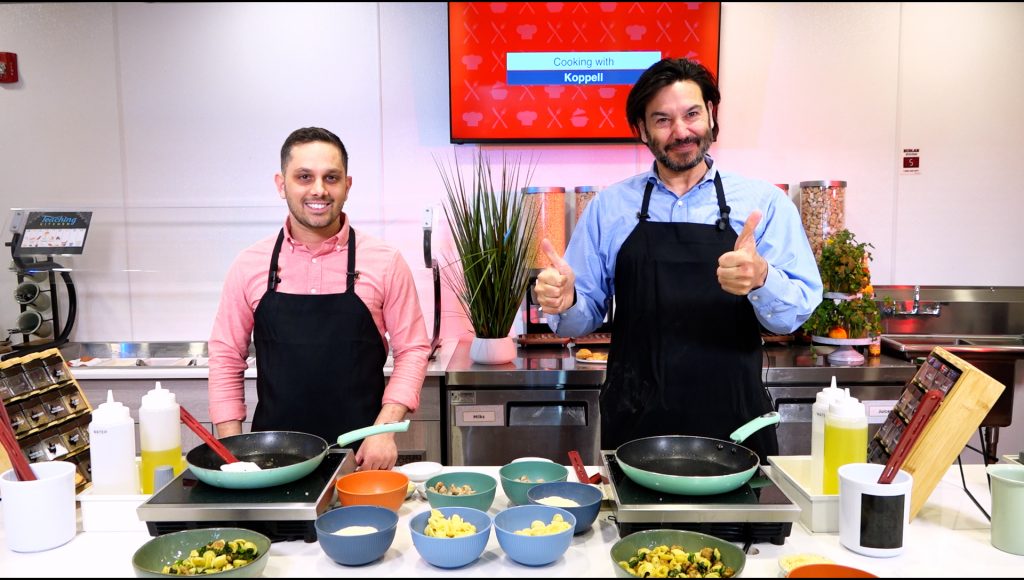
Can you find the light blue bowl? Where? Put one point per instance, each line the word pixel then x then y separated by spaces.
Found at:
pixel 534 471
pixel 361 549
pixel 588 496
pixel 451 552
pixel 532 550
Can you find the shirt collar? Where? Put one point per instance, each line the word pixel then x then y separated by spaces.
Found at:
pixel 335 242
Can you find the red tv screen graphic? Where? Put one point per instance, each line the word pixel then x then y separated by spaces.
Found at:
pixel 560 71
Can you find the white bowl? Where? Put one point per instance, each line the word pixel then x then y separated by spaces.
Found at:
pixel 420 470
pixel 531 459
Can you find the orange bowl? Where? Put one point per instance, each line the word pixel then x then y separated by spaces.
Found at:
pixel 374 487
pixel 828 571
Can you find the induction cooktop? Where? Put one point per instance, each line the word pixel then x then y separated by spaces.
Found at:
pixel 758 511
pixel 282 512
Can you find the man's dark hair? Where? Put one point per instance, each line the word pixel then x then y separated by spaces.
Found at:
pixel 311 135
pixel 664 73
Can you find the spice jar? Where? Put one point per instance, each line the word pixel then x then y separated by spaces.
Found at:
pixel 56 368
pixel 35 371
pixel 14 377
pixel 547 205
pixel 822 211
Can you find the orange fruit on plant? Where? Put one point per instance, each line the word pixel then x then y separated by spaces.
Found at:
pixel 837 332
pixel 868 290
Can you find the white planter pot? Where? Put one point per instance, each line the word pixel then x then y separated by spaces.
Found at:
pixel 492 351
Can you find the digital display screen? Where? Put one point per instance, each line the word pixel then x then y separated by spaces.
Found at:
pixel 561 71
pixel 53 232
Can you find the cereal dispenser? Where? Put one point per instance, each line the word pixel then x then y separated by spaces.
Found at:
pixel 822 210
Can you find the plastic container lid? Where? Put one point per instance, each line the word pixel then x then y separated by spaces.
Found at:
pixel 111 411
pixel 831 393
pixel 159 396
pixel 847 408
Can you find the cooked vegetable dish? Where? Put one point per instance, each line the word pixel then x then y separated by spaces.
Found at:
pixel 674 562
pixel 217 556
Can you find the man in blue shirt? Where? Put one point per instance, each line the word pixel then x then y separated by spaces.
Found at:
pixel 695 259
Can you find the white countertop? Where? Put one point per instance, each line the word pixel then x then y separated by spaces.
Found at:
pixel 115 369
pixel 948 528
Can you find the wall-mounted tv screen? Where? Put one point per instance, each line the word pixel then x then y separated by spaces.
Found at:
pixel 522 72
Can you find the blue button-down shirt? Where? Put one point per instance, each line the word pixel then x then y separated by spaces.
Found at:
pixel 789 295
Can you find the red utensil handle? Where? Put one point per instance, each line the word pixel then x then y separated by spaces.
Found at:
pixel 207 437
pixel 10 444
pixel 925 409
pixel 581 471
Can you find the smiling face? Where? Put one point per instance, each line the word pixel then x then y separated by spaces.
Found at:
pixel 677 127
pixel 315 185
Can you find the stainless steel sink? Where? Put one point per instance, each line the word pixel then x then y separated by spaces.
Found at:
pixel 911 345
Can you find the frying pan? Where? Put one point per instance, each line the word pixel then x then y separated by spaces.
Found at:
pixel 283 456
pixel 687 465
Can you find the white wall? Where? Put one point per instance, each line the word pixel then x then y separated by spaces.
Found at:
pixel 167 119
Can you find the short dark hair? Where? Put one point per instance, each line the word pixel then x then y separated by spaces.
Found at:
pixel 311 135
pixel 664 73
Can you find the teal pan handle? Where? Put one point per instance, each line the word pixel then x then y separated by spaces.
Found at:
pixel 346 438
pixel 740 435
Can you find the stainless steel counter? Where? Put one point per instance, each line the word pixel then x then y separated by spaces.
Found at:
pixel 547 367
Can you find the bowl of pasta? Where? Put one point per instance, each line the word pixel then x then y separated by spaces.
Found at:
pixel 223 552
pixel 582 500
pixel 534 535
pixel 676 553
pixel 450 537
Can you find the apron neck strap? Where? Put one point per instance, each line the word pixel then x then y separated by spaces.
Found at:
pixel 723 210
pixel 273 279
pixel 352 273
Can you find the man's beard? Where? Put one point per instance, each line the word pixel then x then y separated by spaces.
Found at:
pixel 661 153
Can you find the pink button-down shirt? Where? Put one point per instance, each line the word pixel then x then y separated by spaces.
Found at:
pixel 385 284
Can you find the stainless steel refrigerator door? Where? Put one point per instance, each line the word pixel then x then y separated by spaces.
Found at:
pixel 495 426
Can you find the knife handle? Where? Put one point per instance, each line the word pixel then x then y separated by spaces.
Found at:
pixel 925 409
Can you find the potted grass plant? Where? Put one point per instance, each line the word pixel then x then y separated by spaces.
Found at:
pixel 493 233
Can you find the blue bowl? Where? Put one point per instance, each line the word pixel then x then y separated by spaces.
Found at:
pixel 451 552
pixel 588 496
pixel 532 550
pixel 361 549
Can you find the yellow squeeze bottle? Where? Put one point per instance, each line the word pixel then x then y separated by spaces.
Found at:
pixel 846 439
pixel 159 434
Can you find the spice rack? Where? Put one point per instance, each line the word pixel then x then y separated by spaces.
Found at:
pixel 49 412
pixel 969 394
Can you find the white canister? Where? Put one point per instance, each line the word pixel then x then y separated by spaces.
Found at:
pixel 112 449
pixel 873 516
pixel 39 514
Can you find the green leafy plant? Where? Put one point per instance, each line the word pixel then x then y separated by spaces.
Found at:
pixel 844 263
pixel 493 231
pixel 844 270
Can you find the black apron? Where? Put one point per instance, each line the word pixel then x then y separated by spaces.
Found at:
pixel 685 355
pixel 319 358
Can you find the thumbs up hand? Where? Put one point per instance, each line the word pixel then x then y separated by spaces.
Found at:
pixel 743 269
pixel 554 290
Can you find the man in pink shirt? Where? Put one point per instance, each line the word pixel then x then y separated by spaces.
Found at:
pixel 321 304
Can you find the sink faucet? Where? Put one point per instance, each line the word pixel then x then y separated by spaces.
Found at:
pixel 918 309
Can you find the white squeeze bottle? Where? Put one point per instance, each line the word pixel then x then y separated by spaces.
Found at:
pixel 160 434
pixel 819 410
pixel 846 439
pixel 112 449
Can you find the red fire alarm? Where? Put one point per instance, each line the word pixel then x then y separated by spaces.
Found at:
pixel 8 67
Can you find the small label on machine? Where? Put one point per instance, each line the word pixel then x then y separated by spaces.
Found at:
pixel 479 416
